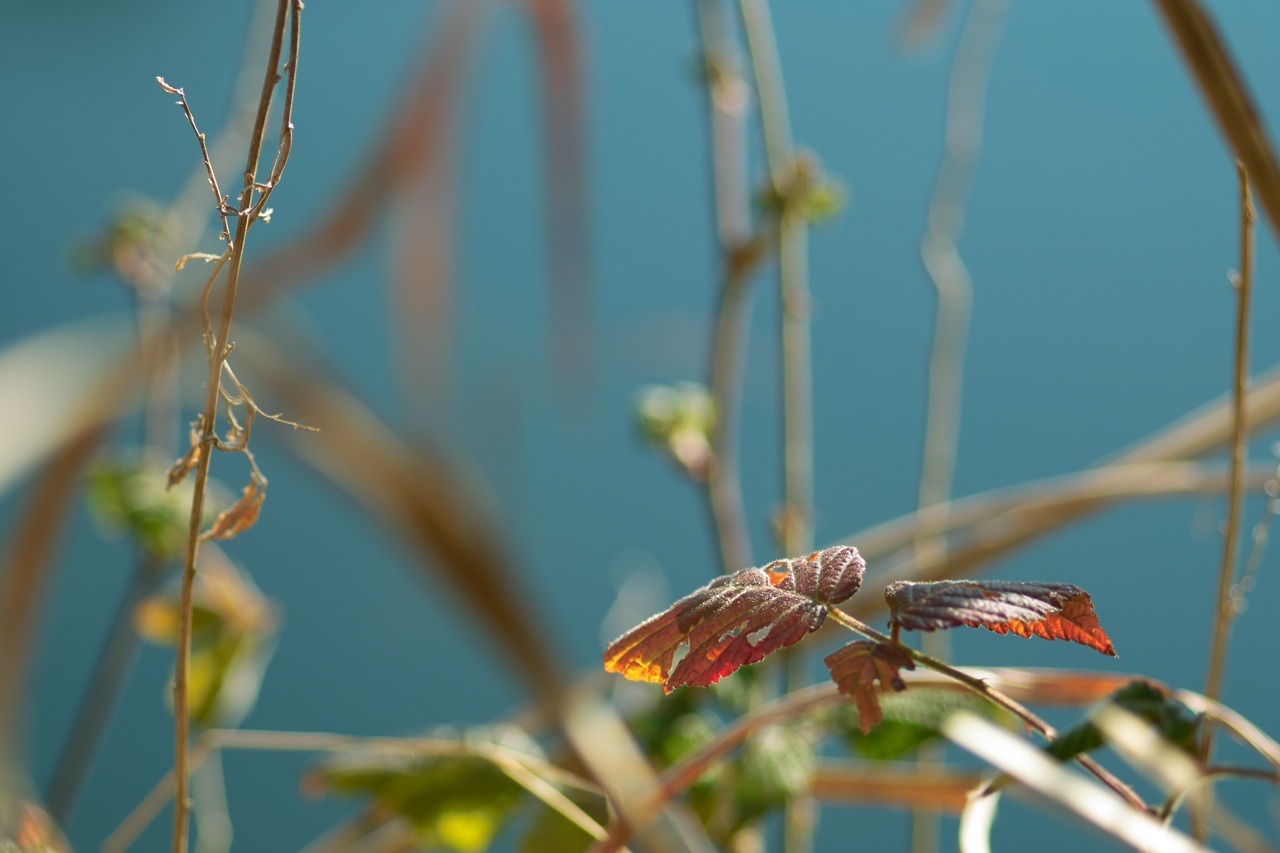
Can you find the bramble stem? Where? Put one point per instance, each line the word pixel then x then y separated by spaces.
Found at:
pixel 995 697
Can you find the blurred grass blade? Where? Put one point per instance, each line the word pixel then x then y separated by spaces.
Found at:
pixel 1241 728
pixel 1177 773
pixel 423 279
pixel 1132 472
pixel 565 153
pixel 1227 97
pixel 1086 801
pixel 415 492
pixel 45 380
pixel 976 820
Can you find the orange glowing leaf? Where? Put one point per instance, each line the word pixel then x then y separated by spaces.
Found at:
pixel 737 620
pixel 1054 611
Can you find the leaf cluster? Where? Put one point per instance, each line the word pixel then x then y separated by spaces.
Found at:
pixel 741 618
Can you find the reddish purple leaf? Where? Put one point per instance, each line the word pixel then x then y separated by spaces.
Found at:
pixel 737 619
pixel 864 670
pixel 1054 611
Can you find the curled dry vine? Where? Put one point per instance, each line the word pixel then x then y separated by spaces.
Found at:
pixel 251 207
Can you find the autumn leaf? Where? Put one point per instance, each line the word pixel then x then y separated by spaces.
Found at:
pixel 736 620
pixel 241 515
pixel 1054 611
pixel 864 670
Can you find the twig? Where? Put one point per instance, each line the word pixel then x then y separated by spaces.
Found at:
pixel 1224 609
pixel 726 102
pixel 995 697
pixel 208 423
pixel 220 201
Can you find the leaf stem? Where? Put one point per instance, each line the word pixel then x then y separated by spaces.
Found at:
pixel 995 697
pixel 218 352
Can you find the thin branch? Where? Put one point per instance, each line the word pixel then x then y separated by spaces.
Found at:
pixel 208 422
pixel 1225 607
pixel 220 201
pixel 727 97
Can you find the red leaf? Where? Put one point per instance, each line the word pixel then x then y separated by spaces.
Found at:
pixel 1054 611
pixel 737 619
pixel 856 669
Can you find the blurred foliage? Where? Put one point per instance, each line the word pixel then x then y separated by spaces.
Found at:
pixel 232 638
pixel 911 719
pixel 678 419
pixel 551 832
pixel 456 802
pixel 128 246
pixel 128 495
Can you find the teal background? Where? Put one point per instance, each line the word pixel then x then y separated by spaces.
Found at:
pixel 1100 228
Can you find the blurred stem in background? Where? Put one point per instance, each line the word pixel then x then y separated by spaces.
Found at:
pixel 788 179
pixel 1225 602
pixel 940 253
pixel 727 100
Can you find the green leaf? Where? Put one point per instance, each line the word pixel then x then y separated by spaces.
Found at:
pixel 1173 720
pixel 552 832
pixel 457 802
pixel 233 628
pixel 775 765
pixel 129 496
pixel 910 720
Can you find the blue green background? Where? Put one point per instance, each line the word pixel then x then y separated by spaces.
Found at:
pixel 1100 230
